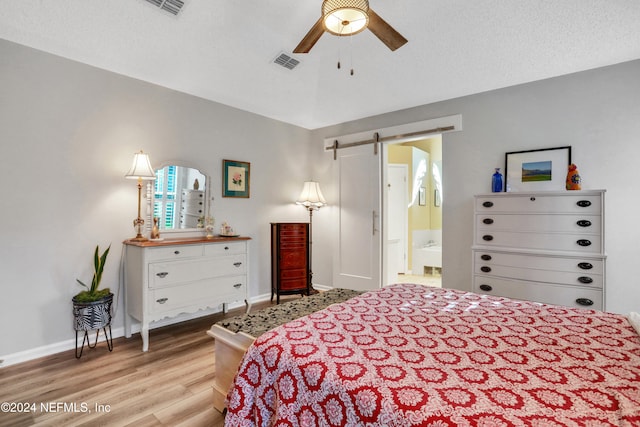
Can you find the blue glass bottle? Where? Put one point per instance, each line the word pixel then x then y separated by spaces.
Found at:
pixel 496 182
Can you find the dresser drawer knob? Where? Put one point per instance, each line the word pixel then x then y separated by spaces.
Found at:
pixel 162 300
pixel 585 279
pixel 486 288
pixel 176 252
pixel 584 301
pixel 237 285
pixel 162 274
pixel 485 257
pixel 485 269
pixel 487 221
pixel 237 264
pixel 487 204
pixel 585 265
pixel 584 203
pixel 487 237
pixel 584 223
pixel 533 199
pixel 584 242
pixel 226 248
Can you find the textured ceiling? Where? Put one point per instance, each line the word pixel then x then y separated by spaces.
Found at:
pixel 223 50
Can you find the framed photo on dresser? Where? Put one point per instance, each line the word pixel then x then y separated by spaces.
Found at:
pixel 537 170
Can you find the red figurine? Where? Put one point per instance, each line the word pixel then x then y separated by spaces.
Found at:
pixel 573 178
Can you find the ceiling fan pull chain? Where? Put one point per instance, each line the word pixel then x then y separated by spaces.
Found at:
pixel 351 52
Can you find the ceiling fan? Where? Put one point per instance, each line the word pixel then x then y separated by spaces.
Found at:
pixel 347 17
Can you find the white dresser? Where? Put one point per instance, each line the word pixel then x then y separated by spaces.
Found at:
pixel 191 207
pixel 546 247
pixel 172 277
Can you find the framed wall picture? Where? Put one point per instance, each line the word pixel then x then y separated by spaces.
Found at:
pixel 537 170
pixel 235 178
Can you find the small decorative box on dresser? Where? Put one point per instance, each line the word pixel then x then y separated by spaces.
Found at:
pixel 191 208
pixel 289 259
pixel 546 247
pixel 172 277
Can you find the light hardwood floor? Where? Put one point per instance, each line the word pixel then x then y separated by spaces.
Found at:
pixel 168 386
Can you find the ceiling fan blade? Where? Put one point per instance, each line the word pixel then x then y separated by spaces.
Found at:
pixel 385 32
pixel 311 38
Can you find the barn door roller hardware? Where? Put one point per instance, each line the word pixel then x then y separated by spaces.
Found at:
pixel 376 139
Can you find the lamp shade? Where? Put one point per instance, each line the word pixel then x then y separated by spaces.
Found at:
pixel 345 17
pixel 141 168
pixel 311 196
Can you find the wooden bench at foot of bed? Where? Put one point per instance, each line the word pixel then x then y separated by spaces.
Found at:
pixel 233 336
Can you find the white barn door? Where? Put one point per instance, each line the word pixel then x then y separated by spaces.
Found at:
pixel 357 254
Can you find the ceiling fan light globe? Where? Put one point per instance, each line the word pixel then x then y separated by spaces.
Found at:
pixel 345 17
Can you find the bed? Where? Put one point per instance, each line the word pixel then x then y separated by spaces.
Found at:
pixel 234 335
pixel 409 355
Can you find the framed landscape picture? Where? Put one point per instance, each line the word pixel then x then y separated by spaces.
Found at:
pixel 537 170
pixel 235 178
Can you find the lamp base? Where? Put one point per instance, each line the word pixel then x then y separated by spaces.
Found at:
pixel 138 223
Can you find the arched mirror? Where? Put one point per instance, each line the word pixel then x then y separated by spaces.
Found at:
pixel 179 198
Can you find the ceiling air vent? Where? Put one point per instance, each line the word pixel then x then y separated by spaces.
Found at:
pixel 172 6
pixel 286 61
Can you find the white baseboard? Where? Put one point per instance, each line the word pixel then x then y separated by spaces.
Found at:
pixel 58 347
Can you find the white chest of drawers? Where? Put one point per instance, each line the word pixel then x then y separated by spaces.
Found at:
pixel 546 247
pixel 165 279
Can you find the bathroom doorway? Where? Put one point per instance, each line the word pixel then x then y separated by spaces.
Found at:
pixel 422 212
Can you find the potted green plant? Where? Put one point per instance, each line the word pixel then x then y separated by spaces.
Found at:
pixel 92 306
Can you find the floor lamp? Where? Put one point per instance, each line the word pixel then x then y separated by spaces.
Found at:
pixel 312 199
pixel 141 170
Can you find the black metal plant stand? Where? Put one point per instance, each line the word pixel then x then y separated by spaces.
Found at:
pixel 107 336
pixel 89 316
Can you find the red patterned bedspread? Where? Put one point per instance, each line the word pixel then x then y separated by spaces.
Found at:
pixel 409 355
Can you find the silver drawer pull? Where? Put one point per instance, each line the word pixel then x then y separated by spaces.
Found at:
pixel 162 274
pixel 237 264
pixel 162 300
pixel 237 285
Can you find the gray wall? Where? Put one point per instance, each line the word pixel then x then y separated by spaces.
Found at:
pixel 597 112
pixel 67 137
